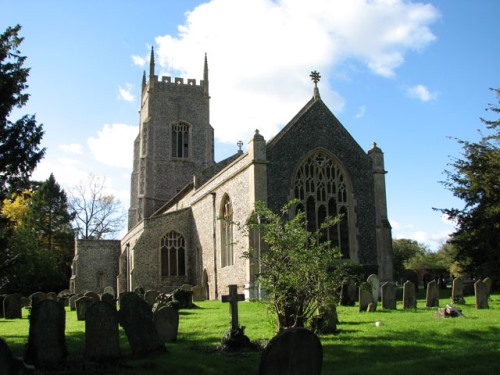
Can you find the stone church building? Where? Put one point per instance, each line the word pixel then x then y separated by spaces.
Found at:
pixel 186 209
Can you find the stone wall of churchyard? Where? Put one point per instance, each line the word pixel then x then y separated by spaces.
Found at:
pixel 318 128
pixel 95 262
pixel 145 257
pixel 206 204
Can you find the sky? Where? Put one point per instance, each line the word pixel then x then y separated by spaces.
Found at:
pixel 411 76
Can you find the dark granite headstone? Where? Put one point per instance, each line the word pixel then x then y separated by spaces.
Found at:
pixel 12 306
pixel 101 332
pixel 46 348
pixel 166 321
pixel 293 351
pixel 136 318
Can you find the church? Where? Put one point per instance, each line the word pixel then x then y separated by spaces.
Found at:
pixel 186 209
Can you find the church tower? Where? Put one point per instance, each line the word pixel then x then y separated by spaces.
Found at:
pixel 175 140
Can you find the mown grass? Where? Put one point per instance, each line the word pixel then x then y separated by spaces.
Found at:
pixel 409 342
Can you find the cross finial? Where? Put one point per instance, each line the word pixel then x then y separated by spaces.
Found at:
pixel 315 77
pixel 240 145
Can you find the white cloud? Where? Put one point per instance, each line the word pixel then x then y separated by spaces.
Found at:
pixel 66 170
pixel 361 112
pixel 422 93
pixel 125 93
pixel 113 145
pixel 139 60
pixel 74 148
pixel 267 62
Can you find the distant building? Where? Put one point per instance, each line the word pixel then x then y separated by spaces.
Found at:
pixel 185 208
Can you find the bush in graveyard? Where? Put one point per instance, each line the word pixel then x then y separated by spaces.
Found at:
pixel 300 269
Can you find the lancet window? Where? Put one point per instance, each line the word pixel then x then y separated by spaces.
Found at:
pixel 227 258
pixel 180 140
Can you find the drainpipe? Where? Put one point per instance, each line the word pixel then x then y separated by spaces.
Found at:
pixel 214 229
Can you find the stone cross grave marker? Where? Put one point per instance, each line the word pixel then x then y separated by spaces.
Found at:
pixel 233 299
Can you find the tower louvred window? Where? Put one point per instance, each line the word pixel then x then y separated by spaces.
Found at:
pixel 180 140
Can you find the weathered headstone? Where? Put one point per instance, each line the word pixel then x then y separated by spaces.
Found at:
pixel 457 291
pixel 93 295
pixel 46 348
pixel 37 297
pixel 52 296
pixel 101 332
pixel 432 297
pixel 12 306
pixel 136 318
pixel 326 319
pixel 8 364
pixel 487 283
pixel 409 299
pixel 365 296
pixel 82 304
pixel 150 296
pixel 375 284
pixel 187 287
pixel 166 321
pixel 110 290
pixel 198 293
pixel 348 294
pixel 388 295
pixel 481 296
pixel 293 351
pixel 109 299
pixel 72 301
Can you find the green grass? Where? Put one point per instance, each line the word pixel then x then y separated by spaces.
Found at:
pixel 409 342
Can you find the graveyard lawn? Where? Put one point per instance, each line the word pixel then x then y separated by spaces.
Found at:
pixel 407 341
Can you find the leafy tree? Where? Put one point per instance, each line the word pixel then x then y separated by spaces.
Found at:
pixel 475 179
pixel 19 139
pixel 403 251
pixel 15 209
pixel 299 270
pixel 97 215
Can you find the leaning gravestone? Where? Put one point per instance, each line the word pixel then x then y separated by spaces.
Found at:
pixel 348 294
pixel 37 297
pixel 293 351
pixel 375 284
pixel 166 321
pixel 409 299
pixel 487 283
pixel 46 348
pixel 481 295
pixel 136 318
pixel 101 332
pixel 432 297
pixel 388 295
pixel 457 291
pixel 365 296
pixel 82 304
pixel 150 297
pixel 12 306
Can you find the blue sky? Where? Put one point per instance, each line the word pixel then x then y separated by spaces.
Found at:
pixel 407 75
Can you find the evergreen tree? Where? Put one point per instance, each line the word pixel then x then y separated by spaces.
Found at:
pixel 475 179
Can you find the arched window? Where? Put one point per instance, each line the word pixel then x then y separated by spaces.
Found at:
pixel 180 140
pixel 319 184
pixel 100 279
pixel 227 233
pixel 173 254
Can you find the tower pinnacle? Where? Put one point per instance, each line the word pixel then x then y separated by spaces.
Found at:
pixel 152 64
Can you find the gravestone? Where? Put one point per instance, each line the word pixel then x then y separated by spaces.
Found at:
pixel 388 295
pixel 487 283
pixel 93 295
pixel 52 296
pixel 101 333
pixel 110 290
pixel 8 364
pixel 150 297
pixel 375 284
pixel 82 304
pixel 481 296
pixel 432 297
pixel 37 297
pixel 326 319
pixel 235 338
pixel 12 306
pixel 187 287
pixel 109 299
pixel 365 296
pixel 295 351
pixel 198 293
pixel 46 348
pixel 72 301
pixel 409 299
pixel 233 299
pixel 136 318
pixel 348 294
pixel 166 321
pixel 457 291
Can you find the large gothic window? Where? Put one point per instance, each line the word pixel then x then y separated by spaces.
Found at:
pixel 320 186
pixel 180 140
pixel 173 250
pixel 227 233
